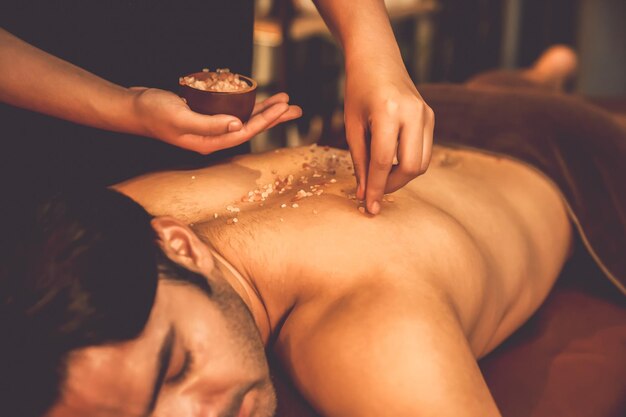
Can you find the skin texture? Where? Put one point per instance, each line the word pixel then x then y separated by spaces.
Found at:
pixel 374 315
pixel 74 94
pixel 385 115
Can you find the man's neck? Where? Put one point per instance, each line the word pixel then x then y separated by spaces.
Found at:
pixel 244 286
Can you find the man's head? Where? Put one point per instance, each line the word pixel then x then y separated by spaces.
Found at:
pixel 99 320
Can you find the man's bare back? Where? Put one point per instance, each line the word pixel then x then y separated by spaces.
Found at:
pixel 462 257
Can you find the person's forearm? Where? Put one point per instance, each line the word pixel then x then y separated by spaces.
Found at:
pixel 362 27
pixel 35 80
pixel 385 116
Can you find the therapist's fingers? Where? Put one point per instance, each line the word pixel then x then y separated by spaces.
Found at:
pixel 191 122
pixel 199 124
pixel 264 119
pixel 206 144
pixel 414 150
pixel 410 156
pixel 292 113
pixel 429 132
pixel 358 144
pixel 269 102
pixel 383 149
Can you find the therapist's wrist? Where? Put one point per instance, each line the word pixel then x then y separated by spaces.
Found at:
pixel 374 56
pixel 132 117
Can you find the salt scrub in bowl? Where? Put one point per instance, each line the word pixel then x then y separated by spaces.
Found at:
pixel 219 92
pixel 222 80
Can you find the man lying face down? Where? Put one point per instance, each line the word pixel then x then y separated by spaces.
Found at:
pixel 109 312
pixel 371 316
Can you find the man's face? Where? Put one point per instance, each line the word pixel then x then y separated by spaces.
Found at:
pixel 197 356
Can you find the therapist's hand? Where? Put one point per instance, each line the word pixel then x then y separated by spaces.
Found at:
pixel 385 117
pixel 165 116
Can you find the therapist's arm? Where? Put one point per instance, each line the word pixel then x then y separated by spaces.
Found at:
pixel 384 113
pixel 35 80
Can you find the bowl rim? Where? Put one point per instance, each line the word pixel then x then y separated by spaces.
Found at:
pixel 253 84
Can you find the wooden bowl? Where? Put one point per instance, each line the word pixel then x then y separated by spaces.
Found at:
pixel 236 103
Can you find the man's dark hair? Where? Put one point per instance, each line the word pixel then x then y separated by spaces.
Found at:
pixel 76 269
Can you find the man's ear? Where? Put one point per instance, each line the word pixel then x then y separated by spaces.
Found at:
pixel 182 246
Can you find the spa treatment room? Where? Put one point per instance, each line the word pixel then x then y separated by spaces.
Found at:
pixel 313 208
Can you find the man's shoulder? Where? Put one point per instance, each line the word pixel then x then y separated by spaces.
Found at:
pixel 371 303
pixel 381 352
